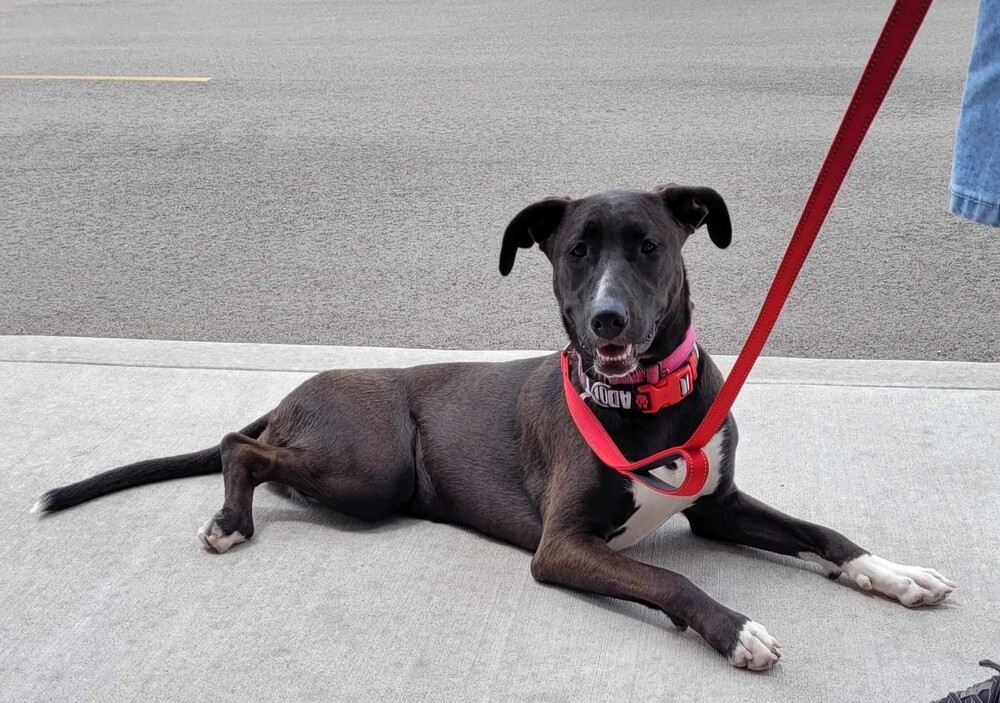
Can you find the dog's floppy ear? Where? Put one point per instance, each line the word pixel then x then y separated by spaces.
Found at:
pixel 694 206
pixel 533 225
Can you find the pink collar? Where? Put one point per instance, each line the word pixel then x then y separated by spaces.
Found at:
pixel 665 383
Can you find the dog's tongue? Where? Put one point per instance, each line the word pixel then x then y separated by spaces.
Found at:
pixel 611 350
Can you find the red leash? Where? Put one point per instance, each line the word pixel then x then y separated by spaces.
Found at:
pixel 897 35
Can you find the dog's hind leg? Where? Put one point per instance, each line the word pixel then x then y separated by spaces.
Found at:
pixel 246 463
pixel 344 439
pixel 370 489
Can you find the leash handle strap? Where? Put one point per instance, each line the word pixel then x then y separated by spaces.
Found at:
pixel 900 29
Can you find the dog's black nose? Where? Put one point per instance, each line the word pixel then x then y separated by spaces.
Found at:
pixel 609 318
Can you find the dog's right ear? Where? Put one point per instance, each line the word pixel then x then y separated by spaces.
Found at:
pixel 533 225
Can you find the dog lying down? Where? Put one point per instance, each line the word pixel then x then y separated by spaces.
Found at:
pixel 492 445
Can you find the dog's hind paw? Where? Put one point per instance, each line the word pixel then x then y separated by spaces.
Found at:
pixel 214 537
pixel 755 649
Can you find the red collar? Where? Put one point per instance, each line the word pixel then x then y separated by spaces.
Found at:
pixel 650 389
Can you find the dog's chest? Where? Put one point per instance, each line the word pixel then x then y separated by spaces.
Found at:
pixel 653 509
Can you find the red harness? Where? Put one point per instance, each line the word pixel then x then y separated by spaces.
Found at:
pixel 897 35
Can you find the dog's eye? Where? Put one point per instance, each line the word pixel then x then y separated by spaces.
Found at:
pixel 579 250
pixel 648 246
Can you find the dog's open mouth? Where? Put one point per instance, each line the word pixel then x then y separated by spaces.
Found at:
pixel 614 360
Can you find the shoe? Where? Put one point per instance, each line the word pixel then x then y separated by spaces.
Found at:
pixel 986 692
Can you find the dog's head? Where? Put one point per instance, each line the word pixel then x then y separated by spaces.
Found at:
pixel 617 268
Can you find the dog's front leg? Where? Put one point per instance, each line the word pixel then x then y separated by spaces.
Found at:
pixel 587 563
pixel 737 517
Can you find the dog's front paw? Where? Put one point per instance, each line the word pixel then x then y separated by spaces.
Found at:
pixel 755 649
pixel 220 533
pixel 912 586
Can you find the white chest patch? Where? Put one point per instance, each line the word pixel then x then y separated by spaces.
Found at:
pixel 653 509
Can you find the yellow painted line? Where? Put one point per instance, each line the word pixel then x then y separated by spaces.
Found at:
pixel 167 79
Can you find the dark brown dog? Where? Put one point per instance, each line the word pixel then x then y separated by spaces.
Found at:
pixel 493 446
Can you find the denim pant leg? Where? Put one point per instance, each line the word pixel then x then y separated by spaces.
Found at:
pixel 975 171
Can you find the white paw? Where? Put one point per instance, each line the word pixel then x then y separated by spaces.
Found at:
pixel 212 536
pixel 911 585
pixel 755 649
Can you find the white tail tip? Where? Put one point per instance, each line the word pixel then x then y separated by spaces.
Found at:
pixel 41 505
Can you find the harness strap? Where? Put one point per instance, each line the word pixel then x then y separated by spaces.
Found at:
pixel 897 36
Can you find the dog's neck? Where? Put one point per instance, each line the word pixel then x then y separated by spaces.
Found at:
pixel 669 337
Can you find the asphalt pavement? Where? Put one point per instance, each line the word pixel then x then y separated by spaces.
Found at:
pixel 346 174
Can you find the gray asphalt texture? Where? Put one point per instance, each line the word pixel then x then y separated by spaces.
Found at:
pixel 346 175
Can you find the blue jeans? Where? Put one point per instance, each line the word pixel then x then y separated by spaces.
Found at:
pixel 975 172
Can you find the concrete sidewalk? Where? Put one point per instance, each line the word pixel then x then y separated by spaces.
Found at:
pixel 116 600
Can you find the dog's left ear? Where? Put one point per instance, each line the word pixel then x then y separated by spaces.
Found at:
pixel 533 225
pixel 695 206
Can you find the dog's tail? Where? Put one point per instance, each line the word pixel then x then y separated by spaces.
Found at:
pixel 206 461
